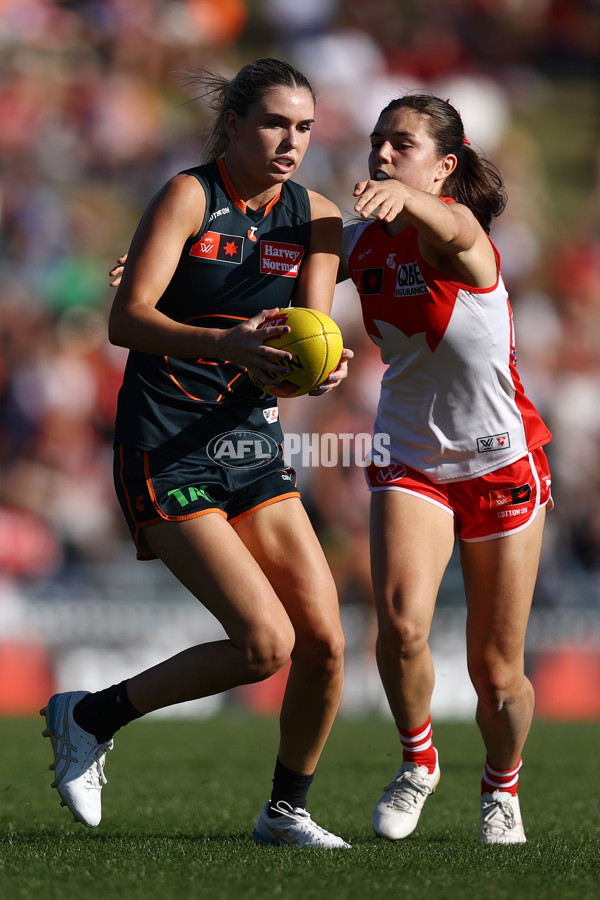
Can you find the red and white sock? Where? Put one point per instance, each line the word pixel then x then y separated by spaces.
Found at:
pixel 417 745
pixel 500 779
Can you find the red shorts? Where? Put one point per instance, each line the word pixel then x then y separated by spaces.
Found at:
pixel 491 506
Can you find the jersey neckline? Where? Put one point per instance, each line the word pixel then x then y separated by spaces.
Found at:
pixel 235 197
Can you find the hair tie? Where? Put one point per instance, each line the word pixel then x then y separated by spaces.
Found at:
pixel 465 139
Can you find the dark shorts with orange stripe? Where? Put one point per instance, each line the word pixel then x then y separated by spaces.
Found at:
pixel 151 488
pixel 491 506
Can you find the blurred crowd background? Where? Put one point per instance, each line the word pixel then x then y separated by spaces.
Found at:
pixel 94 119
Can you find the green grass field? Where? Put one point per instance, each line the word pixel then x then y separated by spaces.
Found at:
pixel 183 797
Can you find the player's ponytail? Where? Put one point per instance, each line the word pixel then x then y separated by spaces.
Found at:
pixel 477 183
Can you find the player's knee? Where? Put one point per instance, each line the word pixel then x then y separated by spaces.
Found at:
pixel 321 655
pixel 402 637
pixel 268 652
pixel 495 684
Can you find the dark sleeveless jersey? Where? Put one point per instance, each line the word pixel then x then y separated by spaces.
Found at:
pixel 240 262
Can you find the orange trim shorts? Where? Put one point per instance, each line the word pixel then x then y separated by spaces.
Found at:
pixel 494 505
pixel 151 488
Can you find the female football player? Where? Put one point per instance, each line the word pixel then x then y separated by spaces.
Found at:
pixel 194 293
pixel 466 448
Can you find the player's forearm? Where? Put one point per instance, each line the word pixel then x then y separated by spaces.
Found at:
pixel 439 223
pixel 150 331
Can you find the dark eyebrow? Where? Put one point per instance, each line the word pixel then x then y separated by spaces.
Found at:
pixel 395 134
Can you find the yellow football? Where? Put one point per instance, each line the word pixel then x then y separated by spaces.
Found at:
pixel 316 344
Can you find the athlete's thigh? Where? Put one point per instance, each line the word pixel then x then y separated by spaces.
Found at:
pixel 499 577
pixel 281 538
pixel 209 559
pixel 411 544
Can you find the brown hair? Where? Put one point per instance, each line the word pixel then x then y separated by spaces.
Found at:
pixel 250 84
pixel 476 182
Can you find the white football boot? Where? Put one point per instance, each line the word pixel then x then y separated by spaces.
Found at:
pixel 399 807
pixel 78 759
pixel 501 821
pixel 295 827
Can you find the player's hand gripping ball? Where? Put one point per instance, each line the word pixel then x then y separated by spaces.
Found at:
pixel 316 344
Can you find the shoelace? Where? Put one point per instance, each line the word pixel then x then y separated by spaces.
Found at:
pixel 94 775
pixel 408 784
pixel 307 824
pixel 302 817
pixel 500 815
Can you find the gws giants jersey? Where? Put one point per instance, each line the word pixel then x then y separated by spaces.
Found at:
pixel 451 400
pixel 240 262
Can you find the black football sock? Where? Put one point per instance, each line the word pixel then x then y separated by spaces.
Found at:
pixel 104 712
pixel 289 786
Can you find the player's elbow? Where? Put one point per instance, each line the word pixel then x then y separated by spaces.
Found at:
pixel 115 337
pixel 118 332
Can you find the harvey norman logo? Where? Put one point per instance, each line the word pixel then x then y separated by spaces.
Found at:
pixel 280 259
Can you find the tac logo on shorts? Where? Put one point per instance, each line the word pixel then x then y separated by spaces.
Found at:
pixel 242 449
pixel 220 247
pixel 510 497
pixel 280 259
pixel 392 473
pixel 493 442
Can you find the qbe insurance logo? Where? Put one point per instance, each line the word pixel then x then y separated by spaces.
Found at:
pixel 242 449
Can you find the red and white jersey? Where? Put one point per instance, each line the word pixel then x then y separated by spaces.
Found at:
pixel 451 399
